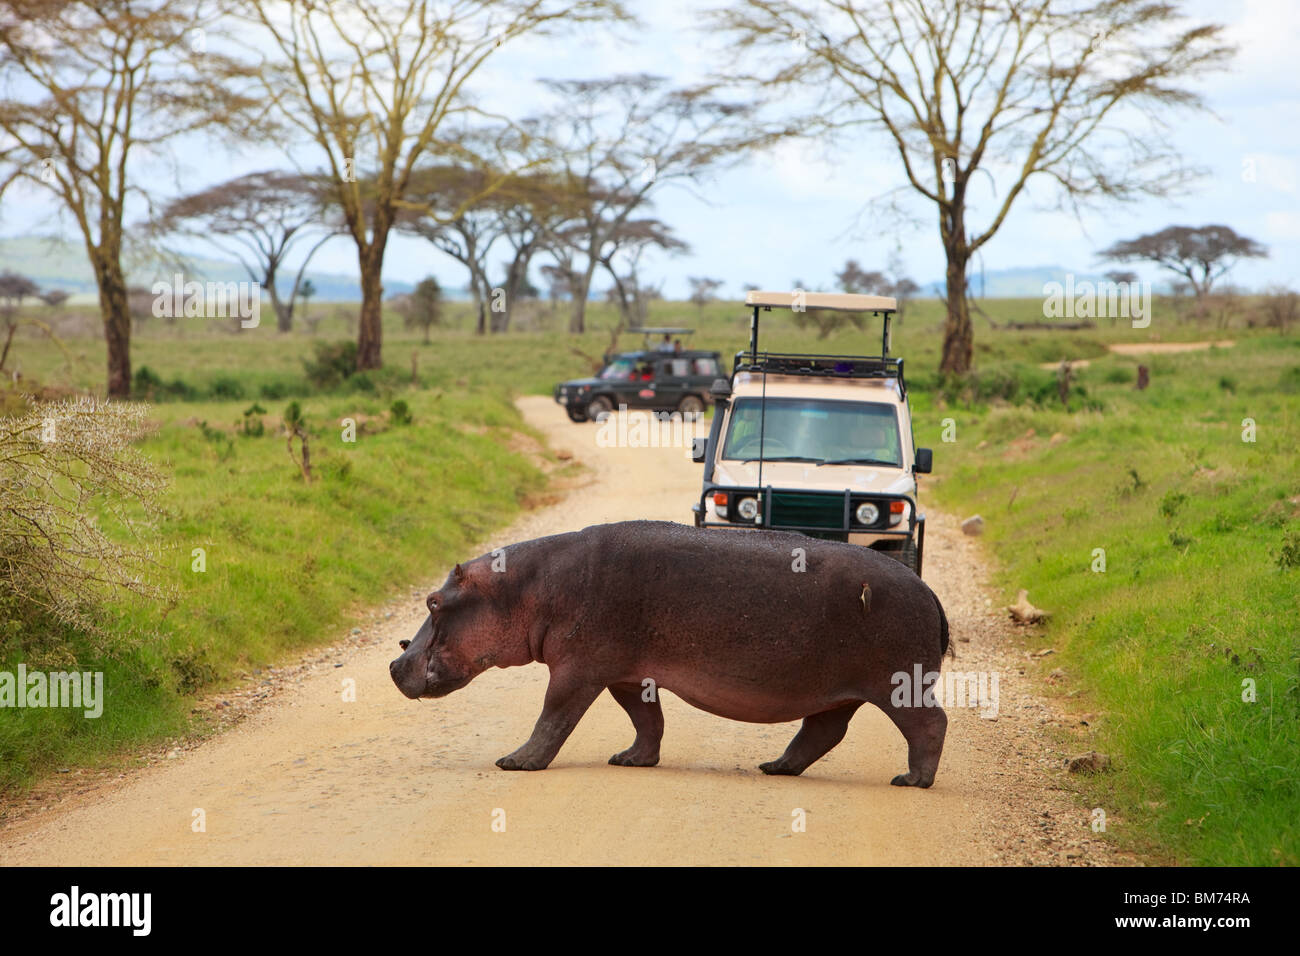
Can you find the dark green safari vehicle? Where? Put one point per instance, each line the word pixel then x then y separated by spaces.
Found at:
pixel 660 378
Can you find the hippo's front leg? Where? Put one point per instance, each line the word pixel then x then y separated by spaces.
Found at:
pixel 567 699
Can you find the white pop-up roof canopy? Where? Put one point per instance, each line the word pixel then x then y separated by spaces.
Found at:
pixel 838 301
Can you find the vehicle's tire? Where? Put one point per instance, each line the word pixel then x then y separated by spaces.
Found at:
pixel 691 405
pixel 599 408
pixel 576 414
pixel 906 554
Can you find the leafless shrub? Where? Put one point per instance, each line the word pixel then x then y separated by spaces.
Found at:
pixel 78 506
pixel 1280 307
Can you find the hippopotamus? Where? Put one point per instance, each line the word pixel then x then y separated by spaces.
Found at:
pixel 740 623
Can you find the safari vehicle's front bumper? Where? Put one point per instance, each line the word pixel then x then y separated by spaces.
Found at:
pixel 815 512
pixel 568 395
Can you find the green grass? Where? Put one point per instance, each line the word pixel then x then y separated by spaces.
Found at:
pixel 288 564
pixel 1193 601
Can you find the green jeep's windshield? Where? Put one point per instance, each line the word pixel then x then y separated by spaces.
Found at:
pixel 817 430
pixel 618 370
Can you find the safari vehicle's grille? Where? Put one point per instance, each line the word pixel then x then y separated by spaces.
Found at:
pixel 791 509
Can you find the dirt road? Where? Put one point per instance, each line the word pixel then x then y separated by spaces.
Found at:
pixel 311 777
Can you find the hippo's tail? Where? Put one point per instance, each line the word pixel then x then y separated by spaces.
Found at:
pixel 945 647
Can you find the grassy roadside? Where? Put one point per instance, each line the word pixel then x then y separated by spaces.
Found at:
pixel 287 563
pixel 1198 605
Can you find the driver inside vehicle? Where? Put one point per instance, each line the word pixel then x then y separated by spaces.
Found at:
pixel 868 438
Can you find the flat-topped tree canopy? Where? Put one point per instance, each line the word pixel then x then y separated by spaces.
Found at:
pixel 837 301
pixel 647 330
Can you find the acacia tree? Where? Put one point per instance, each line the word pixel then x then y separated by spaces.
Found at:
pixel 450 207
pixel 422 307
pixel 617 140
pixel 703 291
pixel 531 209
pixel 13 289
pixel 1021 90
pixel 629 242
pixel 1200 255
pixel 853 278
pixel 372 84
pixel 258 218
pixel 90 88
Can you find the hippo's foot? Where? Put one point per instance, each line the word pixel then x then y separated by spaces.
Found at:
pixel 634 758
pixel 781 768
pixel 924 728
pixel 911 779
pixel 511 762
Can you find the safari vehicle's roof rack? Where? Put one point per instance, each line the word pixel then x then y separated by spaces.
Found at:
pixel 830 366
pixel 648 331
pixel 821 366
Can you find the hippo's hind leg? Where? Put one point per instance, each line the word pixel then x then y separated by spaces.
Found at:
pixel 567 699
pixel 648 719
pixel 819 733
pixel 924 728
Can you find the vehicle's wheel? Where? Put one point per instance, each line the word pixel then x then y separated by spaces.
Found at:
pixel 576 414
pixel 599 409
pixel 690 405
pixel 906 554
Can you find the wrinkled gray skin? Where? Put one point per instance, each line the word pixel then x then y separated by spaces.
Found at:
pixel 717 617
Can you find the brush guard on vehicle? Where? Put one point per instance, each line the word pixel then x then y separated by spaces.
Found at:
pixel 779 509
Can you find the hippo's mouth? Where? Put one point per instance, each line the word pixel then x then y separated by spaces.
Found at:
pixel 442 687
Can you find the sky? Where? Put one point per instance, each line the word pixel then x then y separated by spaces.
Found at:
pixel 798 211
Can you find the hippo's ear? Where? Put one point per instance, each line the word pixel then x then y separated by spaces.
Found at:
pixel 458 574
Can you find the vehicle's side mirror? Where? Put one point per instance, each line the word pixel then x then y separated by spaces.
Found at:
pixel 924 461
pixel 720 389
pixel 699 448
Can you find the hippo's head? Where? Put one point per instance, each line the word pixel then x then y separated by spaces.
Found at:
pixel 467 631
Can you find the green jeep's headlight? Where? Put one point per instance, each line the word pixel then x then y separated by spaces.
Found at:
pixel 747 508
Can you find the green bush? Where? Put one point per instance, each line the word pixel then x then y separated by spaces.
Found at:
pixel 333 364
pixel 253 426
pixel 1289 556
pixel 147 385
pixel 225 387
pixel 275 391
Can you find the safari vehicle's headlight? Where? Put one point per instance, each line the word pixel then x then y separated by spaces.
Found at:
pixel 747 508
pixel 867 513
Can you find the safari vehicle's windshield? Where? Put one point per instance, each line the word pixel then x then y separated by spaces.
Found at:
pixel 828 432
pixel 618 370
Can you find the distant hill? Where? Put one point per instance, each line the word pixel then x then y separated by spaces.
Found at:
pixel 58 264
pixel 1024 281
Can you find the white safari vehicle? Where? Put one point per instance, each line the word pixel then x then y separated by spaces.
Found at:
pixel 819 444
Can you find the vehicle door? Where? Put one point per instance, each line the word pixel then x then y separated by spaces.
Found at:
pixel 672 381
